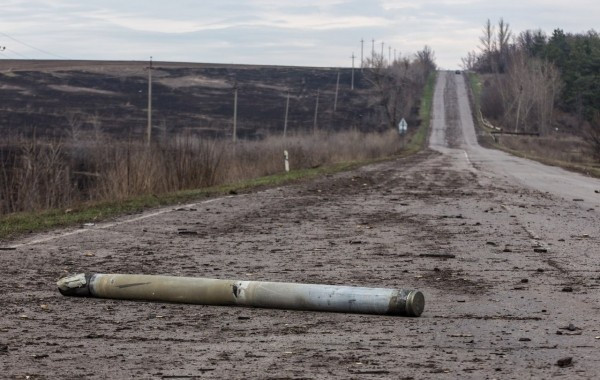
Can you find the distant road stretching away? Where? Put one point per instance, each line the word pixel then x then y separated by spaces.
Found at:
pixel 554 180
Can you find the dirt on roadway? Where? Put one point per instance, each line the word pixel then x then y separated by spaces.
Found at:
pixel 514 293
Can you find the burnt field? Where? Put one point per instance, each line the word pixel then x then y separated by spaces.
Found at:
pixel 66 98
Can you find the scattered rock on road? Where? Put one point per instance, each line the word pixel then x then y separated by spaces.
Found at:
pixel 565 362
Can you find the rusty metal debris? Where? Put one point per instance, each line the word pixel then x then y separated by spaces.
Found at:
pixel 275 295
pixel 438 255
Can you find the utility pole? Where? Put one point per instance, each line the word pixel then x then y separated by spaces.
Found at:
pixel 382 51
pixel 362 48
pixel 149 127
pixel 389 55
pixel 337 88
pixel 352 86
pixel 373 49
pixel 395 57
pixel 235 101
pixel 287 109
pixel 316 112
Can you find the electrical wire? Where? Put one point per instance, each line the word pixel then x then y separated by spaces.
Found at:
pixel 32 47
pixel 16 53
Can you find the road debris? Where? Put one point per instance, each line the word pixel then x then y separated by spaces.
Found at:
pixel 274 295
pixel 565 362
pixel 570 327
pixel 460 335
pixel 187 232
pixel 438 255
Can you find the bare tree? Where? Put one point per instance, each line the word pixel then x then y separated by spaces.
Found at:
pixel 503 38
pixel 469 62
pixel 529 88
pixel 488 44
pixel 400 85
pixel 593 134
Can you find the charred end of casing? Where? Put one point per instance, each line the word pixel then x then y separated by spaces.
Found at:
pixel 77 285
pixel 409 303
pixel 415 303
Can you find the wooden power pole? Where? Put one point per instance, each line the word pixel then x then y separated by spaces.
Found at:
pixel 235 101
pixel 373 49
pixel 316 112
pixel 352 83
pixel 149 127
pixel 337 89
pixel 362 47
pixel 287 110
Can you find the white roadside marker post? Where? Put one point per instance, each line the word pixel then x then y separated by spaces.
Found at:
pixel 286 158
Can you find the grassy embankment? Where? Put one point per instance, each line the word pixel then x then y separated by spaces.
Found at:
pixel 15 224
pixel 565 151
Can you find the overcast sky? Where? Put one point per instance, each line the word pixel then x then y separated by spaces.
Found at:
pixel 281 32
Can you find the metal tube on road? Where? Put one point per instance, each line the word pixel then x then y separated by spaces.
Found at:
pixel 274 295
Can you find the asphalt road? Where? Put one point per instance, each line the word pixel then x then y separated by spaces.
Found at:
pixel 508 262
pixel 527 173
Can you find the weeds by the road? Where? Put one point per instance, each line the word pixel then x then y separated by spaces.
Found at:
pixel 420 137
pixel 38 175
pixel 94 181
pixel 22 222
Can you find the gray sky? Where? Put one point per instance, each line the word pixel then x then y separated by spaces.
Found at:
pixel 286 32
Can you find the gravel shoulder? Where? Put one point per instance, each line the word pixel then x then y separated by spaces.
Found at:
pixel 515 267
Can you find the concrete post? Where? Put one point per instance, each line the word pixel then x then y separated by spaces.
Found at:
pixel 275 295
pixel 286 158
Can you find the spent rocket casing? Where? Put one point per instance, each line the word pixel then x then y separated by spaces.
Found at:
pixel 274 295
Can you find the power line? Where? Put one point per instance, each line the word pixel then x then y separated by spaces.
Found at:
pixel 17 53
pixel 33 47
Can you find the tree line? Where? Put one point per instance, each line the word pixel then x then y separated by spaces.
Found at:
pixel 530 75
pixel 399 85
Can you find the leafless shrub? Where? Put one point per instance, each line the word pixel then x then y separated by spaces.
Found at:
pixel 593 135
pixel 35 176
pixel 562 147
pixel 492 105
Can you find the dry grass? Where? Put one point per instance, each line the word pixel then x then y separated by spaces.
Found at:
pixel 565 148
pixel 39 175
pixel 568 151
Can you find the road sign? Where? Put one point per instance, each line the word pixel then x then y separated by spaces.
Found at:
pixel 402 126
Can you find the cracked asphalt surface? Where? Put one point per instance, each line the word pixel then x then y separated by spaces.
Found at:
pixel 506 251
